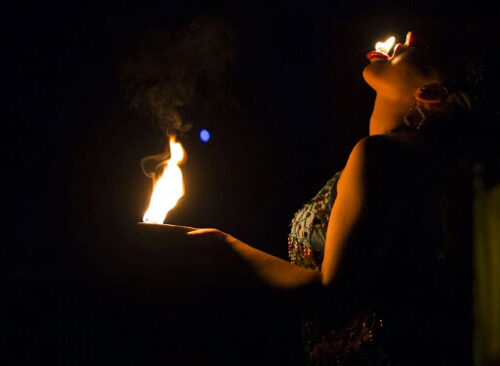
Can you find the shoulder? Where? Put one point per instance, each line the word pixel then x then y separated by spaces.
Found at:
pixel 378 163
pixel 380 150
pixel 378 154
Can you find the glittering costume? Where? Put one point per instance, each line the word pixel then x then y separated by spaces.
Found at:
pixel 363 338
pixel 308 227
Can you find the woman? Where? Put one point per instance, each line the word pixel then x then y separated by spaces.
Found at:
pixel 370 240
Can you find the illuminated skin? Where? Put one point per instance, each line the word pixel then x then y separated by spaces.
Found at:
pixel 398 82
pixel 372 189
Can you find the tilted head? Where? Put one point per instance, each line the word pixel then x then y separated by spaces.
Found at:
pixel 437 74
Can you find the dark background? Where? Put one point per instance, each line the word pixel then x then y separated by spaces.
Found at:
pixel 72 145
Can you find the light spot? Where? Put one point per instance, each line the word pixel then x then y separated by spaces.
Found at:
pixel 204 135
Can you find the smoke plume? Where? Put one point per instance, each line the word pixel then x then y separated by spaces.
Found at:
pixel 170 78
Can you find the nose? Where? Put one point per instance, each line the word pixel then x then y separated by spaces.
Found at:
pixel 410 39
pixel 400 48
pixel 409 42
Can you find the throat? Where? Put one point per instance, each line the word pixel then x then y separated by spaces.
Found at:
pixel 388 114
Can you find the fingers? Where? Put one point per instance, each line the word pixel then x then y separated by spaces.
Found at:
pixel 203 231
pixel 211 234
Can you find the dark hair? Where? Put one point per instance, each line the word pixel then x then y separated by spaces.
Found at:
pixel 467 134
pixel 461 60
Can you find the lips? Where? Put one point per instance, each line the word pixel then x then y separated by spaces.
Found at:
pixel 376 54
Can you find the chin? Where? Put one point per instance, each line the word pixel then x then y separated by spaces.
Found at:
pixel 368 76
pixel 377 76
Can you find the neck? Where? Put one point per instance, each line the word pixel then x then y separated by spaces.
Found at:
pixel 388 114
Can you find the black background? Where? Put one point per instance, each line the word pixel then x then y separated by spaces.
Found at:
pixel 72 145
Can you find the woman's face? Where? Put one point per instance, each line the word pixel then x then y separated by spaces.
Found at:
pixel 402 74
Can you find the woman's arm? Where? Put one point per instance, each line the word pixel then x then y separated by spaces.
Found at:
pixel 272 270
pixel 361 180
pixel 370 191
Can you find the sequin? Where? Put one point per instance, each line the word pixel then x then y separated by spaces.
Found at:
pixel 309 225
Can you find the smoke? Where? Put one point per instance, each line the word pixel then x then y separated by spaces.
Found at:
pixel 168 74
pixel 173 78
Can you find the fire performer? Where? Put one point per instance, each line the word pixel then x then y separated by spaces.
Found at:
pixel 371 241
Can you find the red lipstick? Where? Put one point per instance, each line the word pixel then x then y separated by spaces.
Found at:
pixel 374 54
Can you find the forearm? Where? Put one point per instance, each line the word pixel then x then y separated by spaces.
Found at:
pixel 275 271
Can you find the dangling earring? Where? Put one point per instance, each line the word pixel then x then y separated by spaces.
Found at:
pixel 417 112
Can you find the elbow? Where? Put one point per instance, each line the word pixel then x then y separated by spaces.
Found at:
pixel 326 278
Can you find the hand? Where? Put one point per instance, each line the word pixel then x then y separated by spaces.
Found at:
pixel 212 234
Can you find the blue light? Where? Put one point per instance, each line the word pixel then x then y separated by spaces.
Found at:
pixel 204 135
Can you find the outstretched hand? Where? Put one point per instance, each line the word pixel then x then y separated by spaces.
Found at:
pixel 212 235
pixel 263 267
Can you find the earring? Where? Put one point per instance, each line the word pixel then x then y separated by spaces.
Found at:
pixel 415 112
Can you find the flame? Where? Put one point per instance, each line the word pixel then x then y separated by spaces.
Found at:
pixel 386 46
pixel 169 187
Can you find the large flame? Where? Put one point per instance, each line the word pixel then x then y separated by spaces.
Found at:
pixel 169 188
pixel 386 46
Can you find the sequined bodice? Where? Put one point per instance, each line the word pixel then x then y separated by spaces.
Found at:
pixel 306 241
pixel 373 335
pixel 363 339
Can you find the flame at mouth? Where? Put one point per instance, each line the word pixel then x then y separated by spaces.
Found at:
pixel 386 46
pixel 168 188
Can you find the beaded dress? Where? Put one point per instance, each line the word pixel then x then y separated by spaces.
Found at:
pixel 363 339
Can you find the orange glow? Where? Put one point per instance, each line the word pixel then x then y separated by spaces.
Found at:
pixel 169 187
pixel 386 46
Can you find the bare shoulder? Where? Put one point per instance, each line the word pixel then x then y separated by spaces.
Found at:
pixel 380 162
pixel 381 151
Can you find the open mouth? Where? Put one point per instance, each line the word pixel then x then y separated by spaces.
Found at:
pixel 372 55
